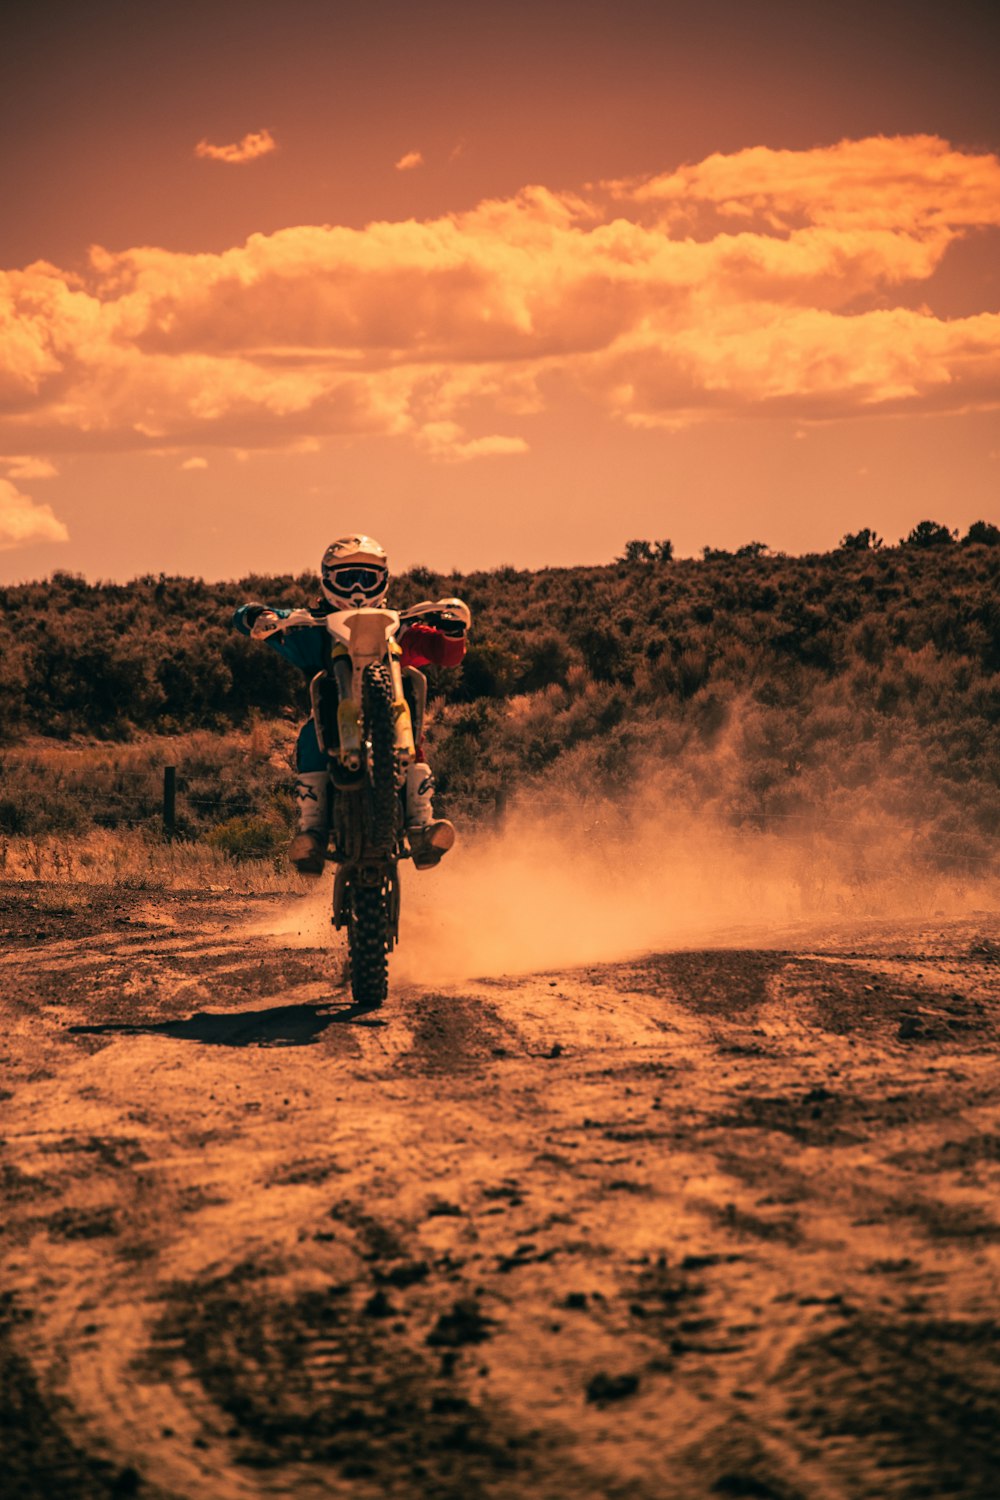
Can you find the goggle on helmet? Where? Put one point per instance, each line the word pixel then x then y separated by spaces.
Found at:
pixel 355 584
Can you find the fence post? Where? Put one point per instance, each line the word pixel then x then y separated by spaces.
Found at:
pixel 169 801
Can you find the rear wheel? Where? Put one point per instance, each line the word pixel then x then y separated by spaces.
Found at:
pixel 368 937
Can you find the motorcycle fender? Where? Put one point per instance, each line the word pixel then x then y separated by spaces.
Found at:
pixel 369 630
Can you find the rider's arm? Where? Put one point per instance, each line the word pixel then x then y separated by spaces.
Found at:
pixel 436 635
pixel 244 617
pixel 302 646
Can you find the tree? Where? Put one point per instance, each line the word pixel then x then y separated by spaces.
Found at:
pixel 752 549
pixel 983 532
pixel 865 540
pixel 636 551
pixel 647 552
pixel 929 534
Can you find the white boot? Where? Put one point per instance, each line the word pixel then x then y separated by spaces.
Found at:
pixel 429 837
pixel 309 845
pixel 419 794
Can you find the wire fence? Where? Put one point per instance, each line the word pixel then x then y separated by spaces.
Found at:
pixel 163 799
pixel 163 802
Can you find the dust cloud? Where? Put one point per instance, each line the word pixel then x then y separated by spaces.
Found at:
pixel 564 885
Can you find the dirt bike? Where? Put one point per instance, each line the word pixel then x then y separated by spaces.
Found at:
pixel 365 728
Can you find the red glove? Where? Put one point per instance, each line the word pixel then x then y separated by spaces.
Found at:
pixel 425 645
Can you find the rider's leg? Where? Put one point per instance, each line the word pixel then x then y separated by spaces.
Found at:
pixel 430 838
pixel 312 790
pixel 415 693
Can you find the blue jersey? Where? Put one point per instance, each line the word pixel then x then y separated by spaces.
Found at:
pixel 303 645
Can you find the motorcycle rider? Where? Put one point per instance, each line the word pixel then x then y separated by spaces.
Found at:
pixel 354 574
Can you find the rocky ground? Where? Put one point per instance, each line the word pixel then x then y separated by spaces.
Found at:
pixel 715 1222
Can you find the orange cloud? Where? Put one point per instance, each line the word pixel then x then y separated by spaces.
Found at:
pixel 447 441
pixel 22 520
pixel 909 183
pixel 255 143
pixel 26 466
pixel 409 160
pixel 747 285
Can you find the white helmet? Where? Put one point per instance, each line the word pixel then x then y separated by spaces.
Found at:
pixel 354 573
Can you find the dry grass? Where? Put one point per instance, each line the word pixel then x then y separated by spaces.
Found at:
pixel 135 860
pixel 151 752
pixel 64 789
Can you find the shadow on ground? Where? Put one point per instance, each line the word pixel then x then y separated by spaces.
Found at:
pixel 277 1026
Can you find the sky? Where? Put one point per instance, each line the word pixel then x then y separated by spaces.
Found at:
pixel 505 286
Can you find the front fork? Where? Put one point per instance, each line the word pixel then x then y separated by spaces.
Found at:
pixel 349 750
pixel 406 751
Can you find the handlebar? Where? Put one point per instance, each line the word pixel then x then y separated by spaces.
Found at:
pixel 267 622
pixel 447 612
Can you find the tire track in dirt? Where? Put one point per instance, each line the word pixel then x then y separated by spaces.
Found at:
pixel 684 1226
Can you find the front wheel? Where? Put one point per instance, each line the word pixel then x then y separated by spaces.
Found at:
pixel 369 933
pixel 380 733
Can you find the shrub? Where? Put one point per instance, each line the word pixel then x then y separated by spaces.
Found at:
pixel 548 662
pixel 246 838
pixel 488 671
pixel 929 534
pixel 864 540
pixel 984 533
pixel 603 652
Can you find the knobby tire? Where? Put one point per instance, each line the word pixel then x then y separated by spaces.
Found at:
pixel 368 934
pixel 368 943
pixel 380 732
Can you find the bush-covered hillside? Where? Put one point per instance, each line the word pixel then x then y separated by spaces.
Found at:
pixel 858 682
pixel 762 685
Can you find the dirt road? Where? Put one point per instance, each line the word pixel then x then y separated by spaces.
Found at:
pixel 716 1222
